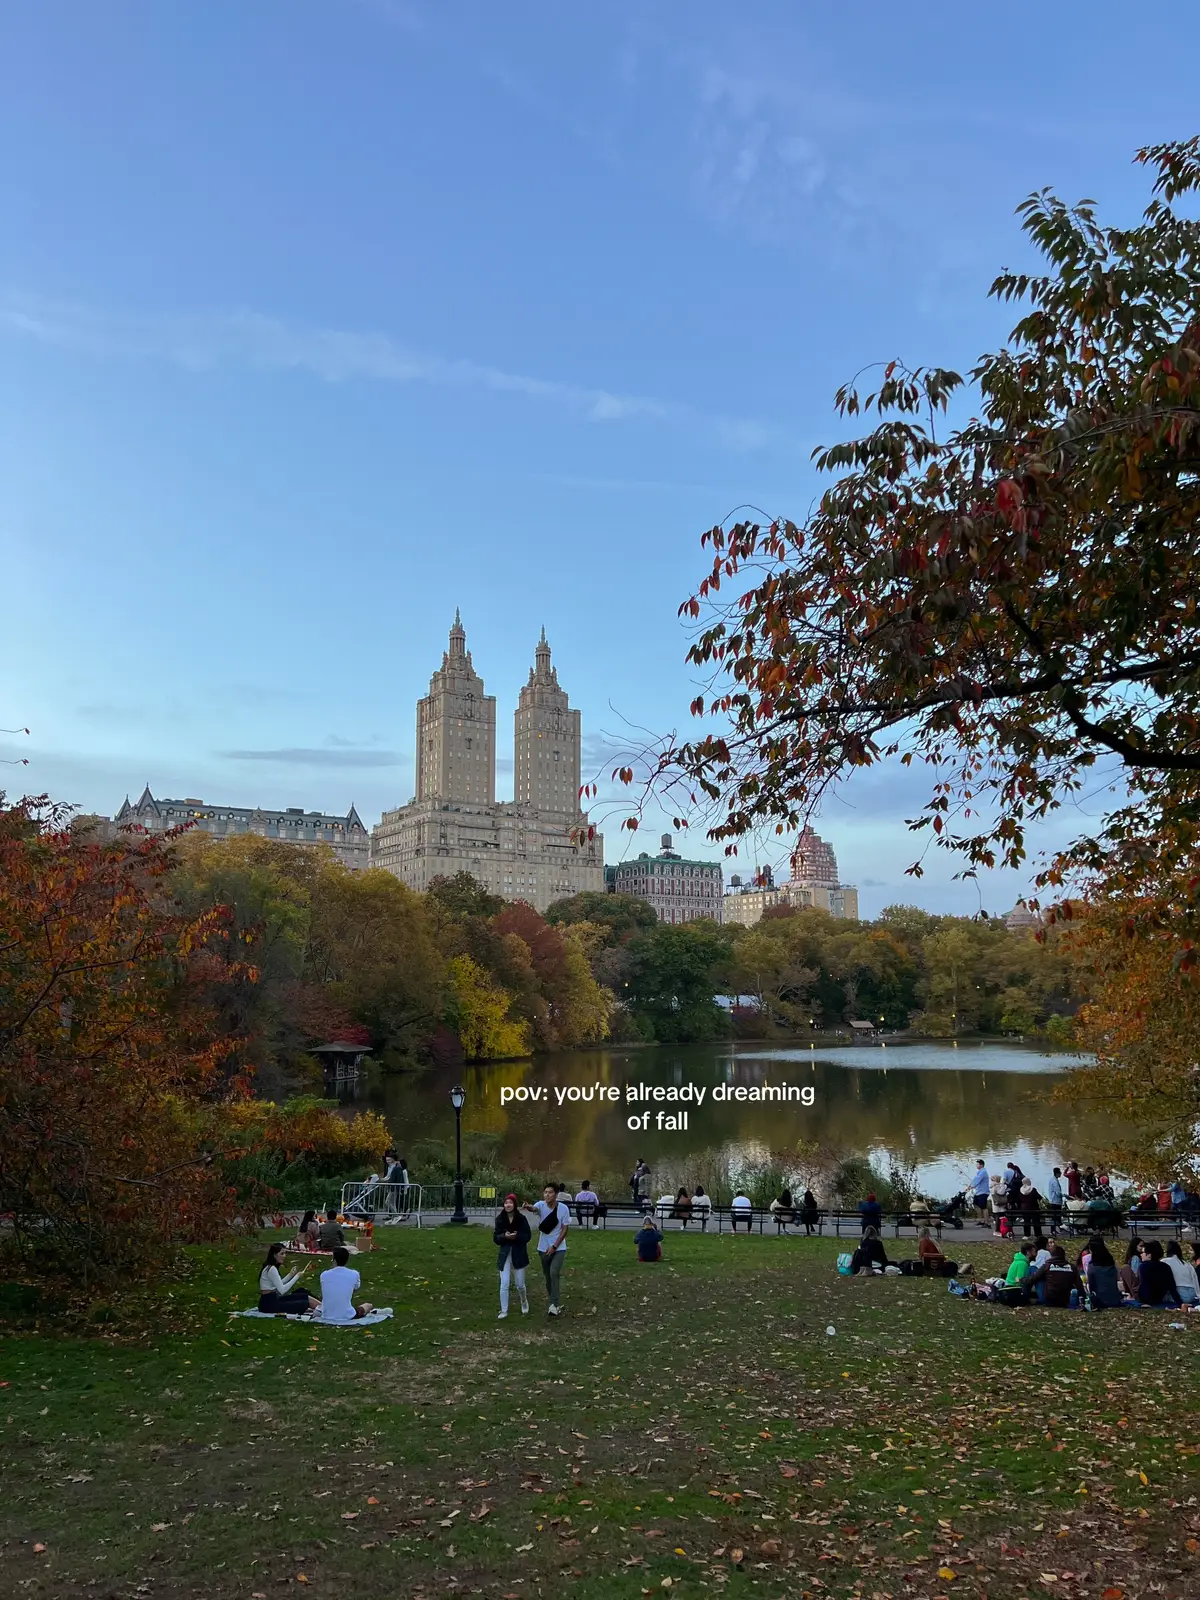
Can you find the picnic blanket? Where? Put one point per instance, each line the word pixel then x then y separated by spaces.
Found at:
pixel 299 1250
pixel 380 1314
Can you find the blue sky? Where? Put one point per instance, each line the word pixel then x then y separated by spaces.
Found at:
pixel 320 318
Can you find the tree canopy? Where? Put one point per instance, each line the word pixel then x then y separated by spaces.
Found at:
pixel 1012 600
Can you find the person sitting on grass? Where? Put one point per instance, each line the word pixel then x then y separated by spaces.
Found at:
pixel 1103 1285
pixel 1018 1270
pixel 1187 1284
pixel 339 1283
pixel 306 1235
pixel 649 1241
pixel 1156 1281
pixel 870 1257
pixel 1056 1280
pixel 932 1259
pixel 278 1295
pixel 330 1234
pixel 1128 1273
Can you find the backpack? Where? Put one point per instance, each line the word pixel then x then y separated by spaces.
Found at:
pixel 843 1263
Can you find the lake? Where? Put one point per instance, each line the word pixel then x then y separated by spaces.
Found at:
pixel 936 1103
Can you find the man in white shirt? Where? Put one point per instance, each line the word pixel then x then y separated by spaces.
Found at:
pixel 554 1218
pixel 586 1203
pixel 743 1210
pixel 338 1286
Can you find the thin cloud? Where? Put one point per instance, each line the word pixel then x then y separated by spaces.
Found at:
pixel 323 757
pixel 248 339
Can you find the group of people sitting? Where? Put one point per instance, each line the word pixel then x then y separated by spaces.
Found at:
pixel 319 1235
pixel 1150 1276
pixel 870 1258
pixel 278 1295
pixel 1041 1272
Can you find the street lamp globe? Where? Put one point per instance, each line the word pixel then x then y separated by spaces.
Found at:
pixel 458 1097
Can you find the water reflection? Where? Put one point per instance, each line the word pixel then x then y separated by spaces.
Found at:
pixel 940 1104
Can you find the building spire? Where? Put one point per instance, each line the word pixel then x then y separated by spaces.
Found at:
pixel 458 637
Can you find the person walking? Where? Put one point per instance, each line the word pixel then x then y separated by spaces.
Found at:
pixel 639 1182
pixel 512 1234
pixel 554 1218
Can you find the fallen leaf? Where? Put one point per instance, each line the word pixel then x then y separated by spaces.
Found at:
pixel 948 1573
pixel 736 1557
pixel 1113 1594
pixel 349 1516
pixel 39 1549
pixel 159 1527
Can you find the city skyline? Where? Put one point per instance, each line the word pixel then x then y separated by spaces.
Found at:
pixel 306 344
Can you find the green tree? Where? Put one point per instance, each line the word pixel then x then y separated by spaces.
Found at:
pixel 672 989
pixel 621 915
pixel 371 944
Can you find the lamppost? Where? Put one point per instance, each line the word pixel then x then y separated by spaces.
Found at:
pixel 458 1097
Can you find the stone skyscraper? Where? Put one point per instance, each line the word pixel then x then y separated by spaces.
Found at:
pixel 539 847
pixel 456 730
pixel 547 742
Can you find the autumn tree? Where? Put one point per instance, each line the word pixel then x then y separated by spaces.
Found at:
pixel 110 1050
pixel 1011 601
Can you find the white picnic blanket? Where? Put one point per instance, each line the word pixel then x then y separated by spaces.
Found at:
pixel 380 1314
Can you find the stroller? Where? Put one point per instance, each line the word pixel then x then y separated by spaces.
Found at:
pixel 951 1212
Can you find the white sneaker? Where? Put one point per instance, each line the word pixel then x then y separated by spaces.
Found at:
pixel 501 1316
pixel 552 1311
pixel 524 1308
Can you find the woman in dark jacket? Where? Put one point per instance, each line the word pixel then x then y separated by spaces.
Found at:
pixel 1103 1286
pixel 512 1236
pixel 810 1211
pixel 870 1255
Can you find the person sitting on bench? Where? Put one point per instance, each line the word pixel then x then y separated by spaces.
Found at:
pixel 741 1209
pixel 338 1285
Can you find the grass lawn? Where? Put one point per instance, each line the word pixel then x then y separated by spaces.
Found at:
pixel 685 1427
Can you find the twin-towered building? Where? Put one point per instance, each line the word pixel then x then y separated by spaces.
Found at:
pixel 538 847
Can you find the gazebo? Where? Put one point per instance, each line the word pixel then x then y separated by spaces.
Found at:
pixel 341 1058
